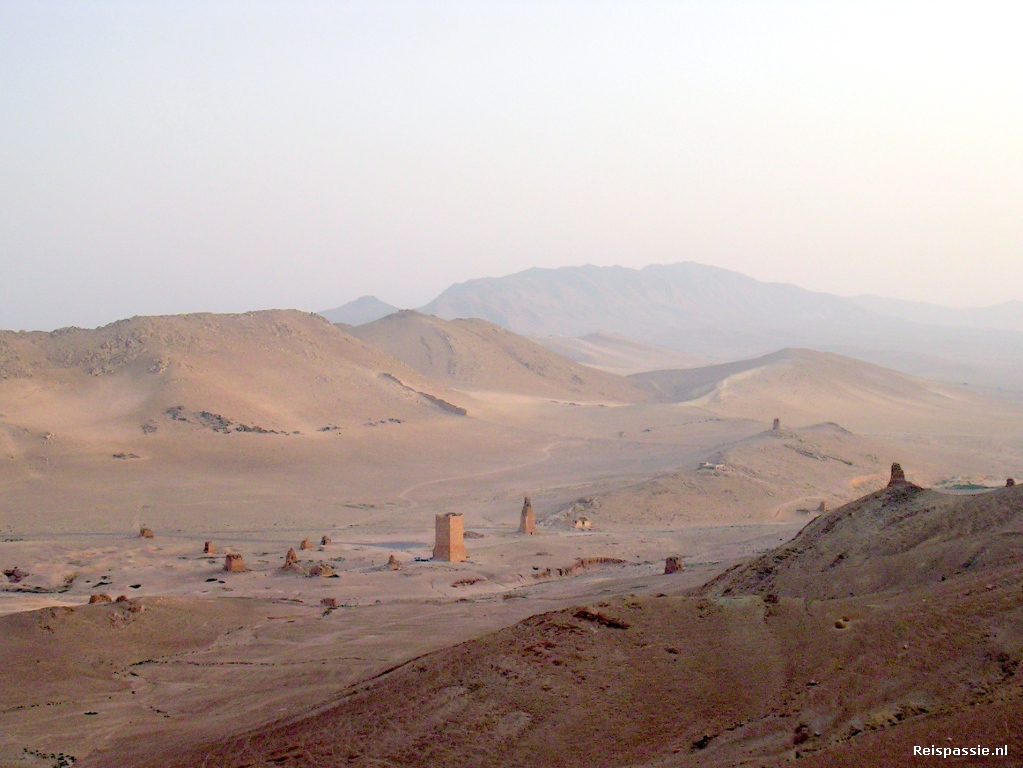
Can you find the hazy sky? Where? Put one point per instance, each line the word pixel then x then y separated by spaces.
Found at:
pixel 172 157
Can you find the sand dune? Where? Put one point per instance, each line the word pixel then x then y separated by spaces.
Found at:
pixel 478 355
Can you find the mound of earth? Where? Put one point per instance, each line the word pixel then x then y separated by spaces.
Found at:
pixel 757 668
pixel 478 355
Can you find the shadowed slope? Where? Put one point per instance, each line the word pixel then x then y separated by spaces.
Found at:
pixel 478 355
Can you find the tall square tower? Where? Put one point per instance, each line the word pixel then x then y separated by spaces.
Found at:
pixel 449 543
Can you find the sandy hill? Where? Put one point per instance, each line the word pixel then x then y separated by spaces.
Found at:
pixel 364 309
pixel 897 537
pixel 781 668
pixel 803 386
pixel 272 370
pixel 618 354
pixel 478 355
pixel 775 476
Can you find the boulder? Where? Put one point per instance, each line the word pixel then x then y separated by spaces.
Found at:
pixel 823 508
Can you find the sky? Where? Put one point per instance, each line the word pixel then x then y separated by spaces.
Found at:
pixel 158 158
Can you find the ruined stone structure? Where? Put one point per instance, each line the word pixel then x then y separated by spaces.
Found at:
pixel 672 564
pixel 209 549
pixel 823 508
pixel 306 544
pixel 329 602
pixel 777 424
pixel 321 569
pixel 1009 483
pixel 394 563
pixel 325 541
pixel 898 476
pixel 290 559
pixel 449 545
pixel 100 597
pixel 234 564
pixel 527 521
pixel 146 533
pixel 582 524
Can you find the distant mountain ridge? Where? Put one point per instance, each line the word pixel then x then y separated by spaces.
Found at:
pixel 711 312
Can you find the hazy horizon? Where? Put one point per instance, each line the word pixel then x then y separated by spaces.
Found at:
pixel 169 159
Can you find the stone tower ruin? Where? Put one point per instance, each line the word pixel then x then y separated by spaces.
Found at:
pixel 527 522
pixel 777 424
pixel 449 545
pixel 898 476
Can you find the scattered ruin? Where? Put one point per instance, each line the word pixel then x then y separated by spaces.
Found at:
pixel 394 563
pixel 325 541
pixel 776 425
pixel 473 535
pixel 101 597
pixel 145 533
pixel 234 564
pixel 673 564
pixel 329 602
pixel 290 559
pixel 823 508
pixel 898 476
pixel 580 565
pixel 449 545
pixel 15 575
pixel 1009 483
pixel 582 524
pixel 322 570
pixel 306 544
pixel 209 548
pixel 527 521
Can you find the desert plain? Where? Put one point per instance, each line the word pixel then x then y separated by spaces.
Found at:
pixel 261 433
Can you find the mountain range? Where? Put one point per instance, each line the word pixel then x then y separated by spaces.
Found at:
pixel 720 315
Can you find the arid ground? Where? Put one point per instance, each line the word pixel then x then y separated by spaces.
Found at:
pixel 571 647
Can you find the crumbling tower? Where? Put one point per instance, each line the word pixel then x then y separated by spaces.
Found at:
pixel 776 425
pixel 898 476
pixel 449 544
pixel 527 523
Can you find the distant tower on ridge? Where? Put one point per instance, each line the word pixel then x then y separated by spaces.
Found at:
pixel 527 523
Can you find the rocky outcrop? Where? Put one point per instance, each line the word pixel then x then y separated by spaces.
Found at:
pixel 527 520
pixel 15 575
pixel 234 563
pixel 672 564
pixel 100 597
